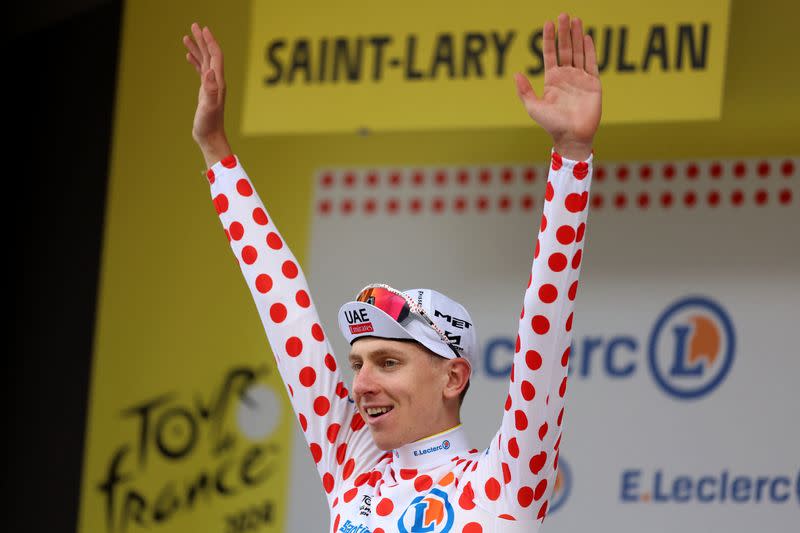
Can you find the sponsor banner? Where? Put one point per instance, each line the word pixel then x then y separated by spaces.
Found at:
pixel 680 388
pixel 318 67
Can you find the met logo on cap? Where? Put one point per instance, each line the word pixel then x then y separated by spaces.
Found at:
pixel 358 321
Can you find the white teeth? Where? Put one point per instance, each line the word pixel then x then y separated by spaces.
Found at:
pixel 378 410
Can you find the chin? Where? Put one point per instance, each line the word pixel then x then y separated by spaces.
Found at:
pixel 384 443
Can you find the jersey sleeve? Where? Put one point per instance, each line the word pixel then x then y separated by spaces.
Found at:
pixel 519 469
pixel 334 430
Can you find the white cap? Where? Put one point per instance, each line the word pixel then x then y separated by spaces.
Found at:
pixel 360 319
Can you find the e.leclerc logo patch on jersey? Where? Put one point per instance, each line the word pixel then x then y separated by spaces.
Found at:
pixel 431 513
pixel 691 347
pixel 444 445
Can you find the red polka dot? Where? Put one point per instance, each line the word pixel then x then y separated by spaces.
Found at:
pixel 210 176
pixel 277 312
pixel 349 466
pixel 565 234
pixel 485 176
pixel 576 259
pixel 341 390
pixel 713 198
pixel 513 447
pixel 620 200
pixel 692 170
pixel 622 173
pixel 459 204
pixel 294 346
pixel 785 196
pixel 562 389
pixel 221 203
pixel 597 200
pixel 316 452
pixel 533 360
pixel 349 179
pixel 761 197
pixel 466 500
pixel 357 422
pixel 540 324
pixel 600 173
pixel 303 421
pixel 244 188
pixel 263 283
pixel 568 325
pixel 330 362
pixel 580 170
pixel 289 269
pixel 645 172
pixel 528 390
pixel 423 483
pixel 549 192
pixel 418 178
pixel 302 298
pixel 507 175
pixel 715 170
pixel 463 177
pixel 573 290
pixel 542 511
pixel 539 490
pixel 228 235
pixel 529 175
pixel 543 224
pixel 560 417
pixel 415 205
pixel 274 241
pixel 643 200
pixel 341 453
pixel 437 205
pixel 385 507
pixel 739 169
pixel 378 530
pixel 307 376
pixel 787 168
pixel 370 205
pixel 317 333
pixel 548 293
pixel 536 251
pixel 507 405
pixel 349 495
pixel 327 180
pixel 666 199
pixel 520 420
pixel 668 171
pixel 482 203
pixel 260 217
pixel 332 432
pixel 737 198
pixel 525 496
pixel 580 232
pixel 555 161
pixel 408 473
pixel 537 462
pixel 543 431
pixel 690 198
pixel 249 255
pixel 327 482
pixel 441 178
pixel 321 405
pixel 575 202
pixel 557 262
pixel 492 488
pixel 236 231
pixel 504 203
pixel 527 202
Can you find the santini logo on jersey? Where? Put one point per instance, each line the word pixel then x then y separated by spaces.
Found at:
pixel 358 321
pixel 445 445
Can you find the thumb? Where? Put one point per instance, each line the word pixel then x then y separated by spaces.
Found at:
pixel 526 93
pixel 210 84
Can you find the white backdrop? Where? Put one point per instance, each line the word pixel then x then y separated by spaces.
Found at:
pixel 682 400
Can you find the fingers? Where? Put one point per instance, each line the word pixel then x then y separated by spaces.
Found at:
pixel 591 56
pixel 576 31
pixel 549 46
pixel 192 49
pixel 564 41
pixel 526 93
pixel 215 53
pixel 191 59
pixel 201 44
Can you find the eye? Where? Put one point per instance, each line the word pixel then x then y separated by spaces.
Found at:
pixel 389 363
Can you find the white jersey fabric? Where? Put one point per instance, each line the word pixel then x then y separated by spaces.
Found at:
pixel 439 484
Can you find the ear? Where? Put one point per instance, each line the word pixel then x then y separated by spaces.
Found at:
pixel 457 377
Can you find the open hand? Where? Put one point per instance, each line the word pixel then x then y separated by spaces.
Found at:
pixel 569 109
pixel 208 129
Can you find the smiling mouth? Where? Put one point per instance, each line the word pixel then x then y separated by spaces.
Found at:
pixel 378 412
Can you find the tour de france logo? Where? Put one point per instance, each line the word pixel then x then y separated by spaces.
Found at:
pixel 562 487
pixel 691 348
pixel 431 513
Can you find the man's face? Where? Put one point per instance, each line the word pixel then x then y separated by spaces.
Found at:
pixel 405 378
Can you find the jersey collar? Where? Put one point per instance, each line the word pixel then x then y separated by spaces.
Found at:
pixel 432 451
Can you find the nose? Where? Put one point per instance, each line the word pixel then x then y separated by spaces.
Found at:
pixel 365 381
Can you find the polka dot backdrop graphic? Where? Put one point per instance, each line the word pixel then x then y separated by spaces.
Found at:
pixel 647 186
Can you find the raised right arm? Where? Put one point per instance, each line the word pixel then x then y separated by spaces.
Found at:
pixel 332 427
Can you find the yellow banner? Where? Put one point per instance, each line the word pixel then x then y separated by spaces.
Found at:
pixel 316 66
